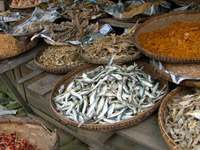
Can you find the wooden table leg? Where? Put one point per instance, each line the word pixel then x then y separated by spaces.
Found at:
pixel 12 88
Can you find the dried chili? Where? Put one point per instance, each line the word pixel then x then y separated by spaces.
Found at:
pixel 13 142
pixel 180 40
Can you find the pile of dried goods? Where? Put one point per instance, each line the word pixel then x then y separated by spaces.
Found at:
pixel 108 94
pixel 30 28
pixel 13 142
pixel 182 123
pixel 61 56
pixel 69 31
pixel 8 44
pixel 180 40
pixel 188 70
pixel 87 10
pixel 120 45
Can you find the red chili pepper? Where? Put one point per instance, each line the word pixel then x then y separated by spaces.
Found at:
pixel 12 142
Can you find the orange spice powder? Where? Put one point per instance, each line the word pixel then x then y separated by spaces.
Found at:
pixel 180 40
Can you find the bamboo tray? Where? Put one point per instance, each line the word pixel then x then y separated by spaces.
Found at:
pixel 163 111
pixel 121 60
pixel 106 127
pixel 58 70
pixel 24 45
pixel 166 76
pixel 163 21
pixel 33 131
pixel 182 2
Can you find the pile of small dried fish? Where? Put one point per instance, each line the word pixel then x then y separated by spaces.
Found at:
pixel 61 56
pixel 87 10
pixel 108 94
pixel 76 30
pixel 119 45
pixel 183 121
pixel 33 27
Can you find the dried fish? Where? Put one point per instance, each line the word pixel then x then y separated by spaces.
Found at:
pixel 77 29
pixel 118 45
pixel 112 95
pixel 183 121
pixel 87 10
pixel 61 56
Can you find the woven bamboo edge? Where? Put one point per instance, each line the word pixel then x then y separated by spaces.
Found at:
pixel 106 127
pixel 157 56
pixel 19 51
pixel 162 111
pixel 55 43
pixel 166 76
pixel 121 60
pixel 59 70
pixel 24 121
pixel 181 2
pixel 23 7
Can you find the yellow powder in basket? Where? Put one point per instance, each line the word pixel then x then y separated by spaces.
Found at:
pixel 8 43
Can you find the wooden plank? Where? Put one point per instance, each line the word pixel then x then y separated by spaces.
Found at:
pixel 116 23
pixel 45 84
pixel 101 137
pixel 12 88
pixel 29 76
pixel 18 60
pixel 20 88
pixel 146 133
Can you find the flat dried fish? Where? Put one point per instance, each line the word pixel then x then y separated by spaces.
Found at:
pixel 118 45
pixel 183 120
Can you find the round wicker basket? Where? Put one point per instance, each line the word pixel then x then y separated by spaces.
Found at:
pixel 106 127
pixel 163 21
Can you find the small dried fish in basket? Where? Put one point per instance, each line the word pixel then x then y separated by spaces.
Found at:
pixel 183 121
pixel 87 10
pixel 118 45
pixel 70 31
pixel 61 56
pixel 107 94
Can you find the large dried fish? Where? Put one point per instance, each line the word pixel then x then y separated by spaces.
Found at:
pixel 108 94
pixel 118 45
pixel 87 10
pixel 183 121
pixel 70 31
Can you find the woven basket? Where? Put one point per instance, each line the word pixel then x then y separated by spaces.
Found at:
pixel 163 111
pixel 106 127
pixel 23 7
pixel 51 69
pixel 166 76
pixel 164 21
pixel 30 130
pixel 182 2
pixel 24 45
pixel 121 60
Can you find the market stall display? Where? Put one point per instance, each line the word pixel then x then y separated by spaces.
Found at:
pixel 122 46
pixel 107 97
pixel 179 118
pixel 28 132
pixel 160 37
pixel 59 59
pixel 183 74
pixel 10 46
